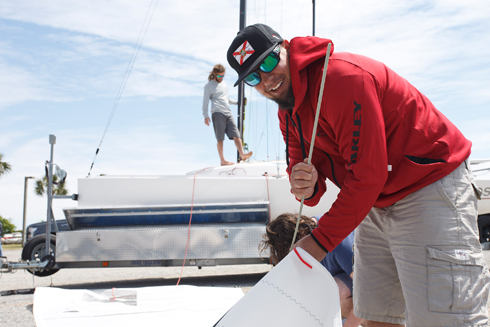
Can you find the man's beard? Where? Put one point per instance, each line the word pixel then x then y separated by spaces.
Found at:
pixel 286 103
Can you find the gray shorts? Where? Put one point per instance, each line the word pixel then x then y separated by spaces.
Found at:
pixel 224 123
pixel 420 262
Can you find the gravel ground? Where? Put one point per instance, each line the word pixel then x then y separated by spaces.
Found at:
pixel 16 289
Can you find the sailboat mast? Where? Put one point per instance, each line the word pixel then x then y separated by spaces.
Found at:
pixel 241 86
pixel 313 18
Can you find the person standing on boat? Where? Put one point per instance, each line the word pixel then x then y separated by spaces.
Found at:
pixel 216 91
pixel 402 169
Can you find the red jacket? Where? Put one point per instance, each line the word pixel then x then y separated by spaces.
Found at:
pixel 378 138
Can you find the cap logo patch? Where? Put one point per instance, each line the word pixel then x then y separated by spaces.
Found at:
pixel 243 52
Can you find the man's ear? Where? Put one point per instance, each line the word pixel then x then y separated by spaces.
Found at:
pixel 285 44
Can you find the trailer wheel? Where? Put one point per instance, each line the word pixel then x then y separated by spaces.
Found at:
pixel 484 228
pixel 36 249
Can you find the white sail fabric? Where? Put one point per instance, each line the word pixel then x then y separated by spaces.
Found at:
pixel 172 306
pixel 299 291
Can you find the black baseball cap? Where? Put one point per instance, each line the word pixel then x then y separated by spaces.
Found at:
pixel 250 47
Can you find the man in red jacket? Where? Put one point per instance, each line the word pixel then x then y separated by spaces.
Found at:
pixel 403 173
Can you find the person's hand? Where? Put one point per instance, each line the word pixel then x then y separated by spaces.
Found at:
pixel 206 121
pixel 303 179
pixel 310 246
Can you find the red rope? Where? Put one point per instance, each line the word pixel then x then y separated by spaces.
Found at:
pixel 190 220
pixel 113 296
pixel 302 260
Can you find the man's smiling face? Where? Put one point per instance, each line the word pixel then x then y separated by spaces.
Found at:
pixel 276 85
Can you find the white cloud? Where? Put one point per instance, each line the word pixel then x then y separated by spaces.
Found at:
pixel 142 150
pixel 169 30
pixel 476 130
pixel 414 38
pixel 18 85
pixel 75 53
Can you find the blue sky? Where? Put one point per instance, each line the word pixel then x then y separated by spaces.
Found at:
pixel 62 64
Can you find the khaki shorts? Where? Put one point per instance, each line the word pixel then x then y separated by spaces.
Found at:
pixel 419 262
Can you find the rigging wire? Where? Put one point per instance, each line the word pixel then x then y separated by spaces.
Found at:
pixel 341 20
pixel 300 16
pixel 267 127
pixel 251 114
pixel 276 148
pixel 260 128
pixel 281 17
pixel 129 68
pixel 261 135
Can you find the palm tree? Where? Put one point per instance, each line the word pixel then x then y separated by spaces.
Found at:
pixel 4 167
pixel 58 188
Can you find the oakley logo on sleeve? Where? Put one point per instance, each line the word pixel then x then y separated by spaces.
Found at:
pixel 356 134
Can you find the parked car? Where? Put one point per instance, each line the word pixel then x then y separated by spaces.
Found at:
pixel 12 238
pixel 6 237
pixel 40 228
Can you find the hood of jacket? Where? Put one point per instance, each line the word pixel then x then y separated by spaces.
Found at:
pixel 303 51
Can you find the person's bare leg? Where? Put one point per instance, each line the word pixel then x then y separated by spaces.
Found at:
pixel 221 156
pixel 346 305
pixel 381 324
pixel 238 144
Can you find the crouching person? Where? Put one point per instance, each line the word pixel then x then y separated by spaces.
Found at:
pixel 278 238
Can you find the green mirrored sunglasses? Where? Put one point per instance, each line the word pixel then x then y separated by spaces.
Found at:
pixel 267 66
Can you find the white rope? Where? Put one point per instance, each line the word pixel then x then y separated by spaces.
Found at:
pixel 317 115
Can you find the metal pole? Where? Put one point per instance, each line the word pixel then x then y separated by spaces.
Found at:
pixel 25 209
pixel 241 86
pixel 313 18
pixel 52 141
